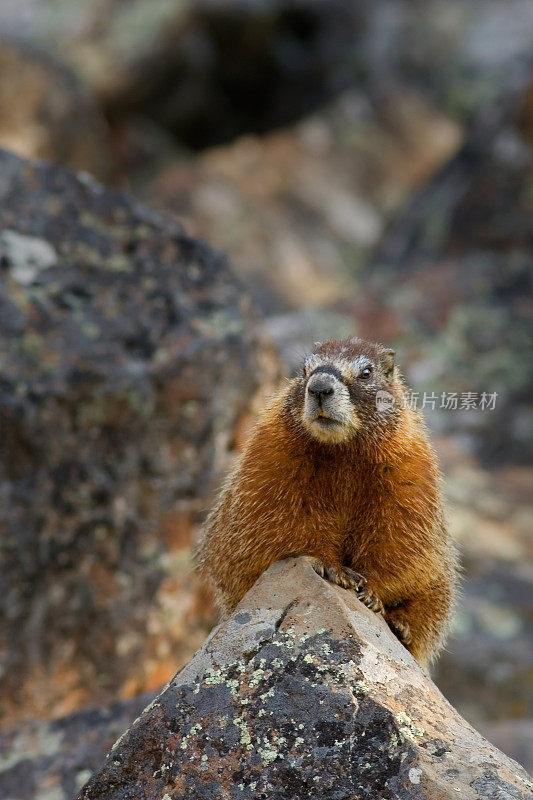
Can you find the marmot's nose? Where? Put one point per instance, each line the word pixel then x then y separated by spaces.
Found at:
pixel 320 386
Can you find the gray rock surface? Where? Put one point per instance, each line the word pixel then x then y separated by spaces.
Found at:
pixel 303 693
pixel 128 353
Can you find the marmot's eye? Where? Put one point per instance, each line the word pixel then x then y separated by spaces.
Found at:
pixel 366 373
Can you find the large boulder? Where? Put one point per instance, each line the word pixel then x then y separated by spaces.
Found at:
pixel 128 355
pixel 303 693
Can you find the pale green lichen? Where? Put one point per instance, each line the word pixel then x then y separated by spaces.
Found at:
pixel 214 677
pixel 408 730
pixel 193 731
pixel 268 754
pixel 246 740
pixel 256 677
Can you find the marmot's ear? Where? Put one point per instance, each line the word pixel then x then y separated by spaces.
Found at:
pixel 386 361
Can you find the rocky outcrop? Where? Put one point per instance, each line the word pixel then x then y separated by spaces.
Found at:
pixel 128 355
pixel 303 693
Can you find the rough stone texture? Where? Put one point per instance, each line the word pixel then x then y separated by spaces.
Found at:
pixel 128 353
pixel 42 760
pixel 303 693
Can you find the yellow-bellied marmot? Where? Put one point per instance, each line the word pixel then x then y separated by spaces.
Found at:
pixel 339 468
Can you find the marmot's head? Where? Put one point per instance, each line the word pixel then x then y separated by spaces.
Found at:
pixel 347 388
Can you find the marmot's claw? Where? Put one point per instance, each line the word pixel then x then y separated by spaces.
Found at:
pixel 359 581
pixel 342 576
pixel 370 600
pixel 401 630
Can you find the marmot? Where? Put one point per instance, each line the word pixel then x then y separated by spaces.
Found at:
pixel 339 467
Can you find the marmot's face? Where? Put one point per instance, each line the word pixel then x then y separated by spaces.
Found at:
pixel 346 387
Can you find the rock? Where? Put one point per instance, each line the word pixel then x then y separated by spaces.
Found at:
pixel 515 736
pixel 129 357
pixel 303 693
pixel 45 111
pixel 55 759
pixel 461 55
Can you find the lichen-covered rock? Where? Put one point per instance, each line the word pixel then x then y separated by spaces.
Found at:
pixel 128 353
pixel 303 693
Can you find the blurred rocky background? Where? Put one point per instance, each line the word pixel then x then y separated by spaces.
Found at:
pixel 367 168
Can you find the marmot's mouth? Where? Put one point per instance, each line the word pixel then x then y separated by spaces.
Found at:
pixel 326 422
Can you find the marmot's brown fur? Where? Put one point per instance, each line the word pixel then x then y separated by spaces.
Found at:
pixel 339 468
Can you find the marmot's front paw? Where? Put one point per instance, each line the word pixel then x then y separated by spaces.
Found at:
pixel 370 600
pixel 340 576
pixel 349 579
